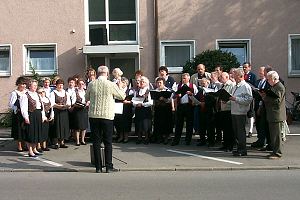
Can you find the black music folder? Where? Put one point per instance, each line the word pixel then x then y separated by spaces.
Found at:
pixel 155 95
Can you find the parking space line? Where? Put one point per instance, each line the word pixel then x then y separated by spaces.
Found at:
pixel 43 160
pixel 205 157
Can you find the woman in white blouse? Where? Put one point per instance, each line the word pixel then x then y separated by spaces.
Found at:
pixel 17 128
pixel 60 101
pixel 143 115
pixel 80 113
pixel 33 113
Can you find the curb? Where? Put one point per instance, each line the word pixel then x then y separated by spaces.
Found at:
pixel 163 169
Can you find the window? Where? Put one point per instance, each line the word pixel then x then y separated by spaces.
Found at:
pixel 174 54
pixel 294 55
pixel 239 48
pixel 5 60
pixel 112 22
pixel 41 58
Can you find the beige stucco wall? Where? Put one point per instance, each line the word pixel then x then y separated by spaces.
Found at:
pixel 42 21
pixel 147 39
pixel 266 22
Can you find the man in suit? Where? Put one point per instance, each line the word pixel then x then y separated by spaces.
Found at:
pixel 201 73
pixel 250 78
pixel 184 109
pixel 276 113
pixel 260 112
pixel 101 94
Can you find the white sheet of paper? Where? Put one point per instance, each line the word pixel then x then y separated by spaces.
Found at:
pixel 137 100
pixel 118 108
pixel 194 100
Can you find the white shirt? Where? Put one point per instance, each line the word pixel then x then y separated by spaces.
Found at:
pixel 24 104
pixel 13 98
pixel 61 93
pixel 72 95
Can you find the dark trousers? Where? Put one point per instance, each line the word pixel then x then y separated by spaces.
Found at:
pixel 184 112
pixel 238 125
pixel 262 127
pixel 226 123
pixel 102 130
pixel 207 127
pixel 275 135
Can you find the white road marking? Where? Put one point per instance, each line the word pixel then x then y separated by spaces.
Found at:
pixel 43 160
pixel 205 157
pixel 6 139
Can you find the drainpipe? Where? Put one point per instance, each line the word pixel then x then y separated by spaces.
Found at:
pixel 156 38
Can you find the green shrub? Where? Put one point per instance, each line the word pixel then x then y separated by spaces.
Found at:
pixel 6 119
pixel 211 58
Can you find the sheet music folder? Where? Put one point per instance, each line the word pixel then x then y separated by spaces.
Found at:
pixel 155 95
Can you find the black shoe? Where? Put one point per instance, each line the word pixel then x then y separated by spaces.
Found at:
pixel 146 142
pixel 266 148
pixel 38 153
pixel 249 135
pixel 77 144
pixel 138 142
pixel 174 143
pixel 63 146
pixel 257 145
pixel 82 143
pixel 32 156
pixel 46 149
pixel 239 154
pixel 111 169
pixel 98 170
pixel 166 141
pixel 55 146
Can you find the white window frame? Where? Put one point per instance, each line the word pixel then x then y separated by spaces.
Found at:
pixel 107 23
pixel 237 41
pixel 26 67
pixel 291 72
pixel 176 43
pixel 9 71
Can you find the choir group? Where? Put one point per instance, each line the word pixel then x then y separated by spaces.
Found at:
pixel 49 115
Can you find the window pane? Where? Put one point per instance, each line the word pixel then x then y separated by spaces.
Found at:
pixel 4 60
pixel 124 32
pixel 123 10
pixel 295 54
pixel 97 10
pixel 127 65
pixel 176 56
pixel 239 50
pixel 98 35
pixel 42 59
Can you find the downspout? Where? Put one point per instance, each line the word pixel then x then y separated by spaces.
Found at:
pixel 156 38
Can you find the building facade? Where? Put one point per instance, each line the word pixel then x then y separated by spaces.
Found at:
pixel 67 36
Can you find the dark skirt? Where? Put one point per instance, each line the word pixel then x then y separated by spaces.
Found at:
pixel 123 122
pixel 143 119
pixel 17 128
pixel 34 129
pixel 80 118
pixel 61 128
pixel 72 119
pixel 163 120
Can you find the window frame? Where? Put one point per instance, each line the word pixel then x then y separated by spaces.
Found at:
pixel 9 71
pixel 247 42
pixel 291 72
pixel 107 24
pixel 175 43
pixel 45 46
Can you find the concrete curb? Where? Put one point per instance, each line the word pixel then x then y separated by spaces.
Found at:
pixel 163 169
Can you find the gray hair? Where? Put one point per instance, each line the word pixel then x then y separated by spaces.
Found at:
pixel 239 72
pixel 103 69
pixel 273 75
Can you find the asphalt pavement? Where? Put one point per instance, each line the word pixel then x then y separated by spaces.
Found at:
pixel 151 157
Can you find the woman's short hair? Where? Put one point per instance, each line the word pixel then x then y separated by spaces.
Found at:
pixel 21 80
pixel 163 68
pixel 59 81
